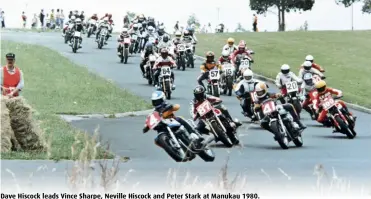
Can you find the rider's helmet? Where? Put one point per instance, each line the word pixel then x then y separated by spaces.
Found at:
pixel 178 34
pixel 248 75
pixel 320 86
pixel 124 31
pixel 144 24
pixel 161 28
pixel 151 19
pixel 151 29
pixel 135 27
pixel 164 53
pixel 78 21
pixel 308 79
pixel 210 56
pixel 158 99
pixel 261 90
pixel 73 18
pixel 186 33
pixel 105 20
pixel 225 54
pixel 149 47
pixel 241 48
pixel 199 93
pixel 285 69
pixel 76 12
pixel 309 58
pixel 307 65
pixel 165 38
pixel 141 17
pixel 230 41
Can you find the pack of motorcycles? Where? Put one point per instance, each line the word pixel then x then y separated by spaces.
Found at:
pixel 173 140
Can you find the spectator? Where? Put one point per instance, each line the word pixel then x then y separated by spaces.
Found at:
pixel 11 77
pixel 176 27
pixel 58 19
pixel 48 25
pixel 82 16
pixel 24 20
pixel 255 23
pixel 42 17
pixel 52 19
pixel 70 15
pixel 34 21
pixel 62 19
pixel 2 19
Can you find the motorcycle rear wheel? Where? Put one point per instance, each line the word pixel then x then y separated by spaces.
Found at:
pixel 177 155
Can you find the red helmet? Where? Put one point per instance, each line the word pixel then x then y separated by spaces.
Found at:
pixel 241 47
pixel 242 42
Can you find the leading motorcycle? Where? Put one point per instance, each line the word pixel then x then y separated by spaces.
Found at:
pixel 189 55
pixel 75 40
pixel 292 95
pixel 124 50
pixel 181 62
pixel 148 69
pixel 227 80
pixel 165 81
pixel 102 37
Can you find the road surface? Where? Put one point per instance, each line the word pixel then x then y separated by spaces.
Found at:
pixel 259 155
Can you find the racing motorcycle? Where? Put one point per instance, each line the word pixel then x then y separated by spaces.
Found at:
pixel 340 119
pixel 217 124
pixel 92 27
pixel 181 48
pixel 165 81
pixel 251 97
pixel 227 80
pixel 134 44
pixel 281 123
pixel 102 37
pixel 68 34
pixel 242 66
pixel 189 55
pixel 313 98
pixel 124 50
pixel 75 40
pixel 172 137
pixel 143 38
pixel 148 69
pixel 213 87
pixel 292 95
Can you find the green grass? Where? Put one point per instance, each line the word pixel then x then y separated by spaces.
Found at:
pixel 345 55
pixel 53 84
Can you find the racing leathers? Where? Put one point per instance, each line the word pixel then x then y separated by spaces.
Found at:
pixel 230 49
pixel 160 62
pixel 305 90
pixel 145 56
pixel 223 60
pixel 205 68
pixel 238 52
pixel 282 79
pixel 121 38
pixel 317 67
pixel 264 123
pixel 100 27
pixel 314 71
pixel 244 93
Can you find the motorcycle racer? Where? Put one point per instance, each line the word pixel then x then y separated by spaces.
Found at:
pixel 314 65
pixel 323 92
pixel 230 47
pixel 149 50
pixel 79 28
pixel 124 34
pixel 94 17
pixel 199 97
pixel 284 77
pixel 307 68
pixel 240 51
pixel 262 94
pixel 178 38
pixel 207 66
pixel 105 23
pixel 306 87
pixel 70 21
pixel 225 58
pixel 164 60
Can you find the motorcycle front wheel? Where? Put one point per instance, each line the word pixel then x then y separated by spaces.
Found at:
pixel 222 136
pixel 176 154
pixel 282 139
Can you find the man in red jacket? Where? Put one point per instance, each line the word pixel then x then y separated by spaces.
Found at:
pixel 11 77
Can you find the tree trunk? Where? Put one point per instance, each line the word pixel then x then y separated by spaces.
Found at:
pixel 279 19
pixel 283 28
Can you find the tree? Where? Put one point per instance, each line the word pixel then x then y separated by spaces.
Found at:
pixel 240 28
pixel 283 6
pixel 366 4
pixel 192 19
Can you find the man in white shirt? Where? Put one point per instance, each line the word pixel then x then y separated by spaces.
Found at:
pixel 2 19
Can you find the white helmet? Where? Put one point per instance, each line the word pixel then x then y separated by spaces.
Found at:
pixel 105 19
pixel 161 27
pixel 135 25
pixel 309 58
pixel 73 18
pixel 307 65
pixel 248 75
pixel 178 34
pixel 151 29
pixel 124 30
pixel 261 89
pixel 78 21
pixel 285 69
pixel 225 53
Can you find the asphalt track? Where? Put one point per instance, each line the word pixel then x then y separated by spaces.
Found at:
pixel 259 156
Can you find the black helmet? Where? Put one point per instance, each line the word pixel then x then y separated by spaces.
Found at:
pixel 165 38
pixel 10 56
pixel 149 47
pixel 199 93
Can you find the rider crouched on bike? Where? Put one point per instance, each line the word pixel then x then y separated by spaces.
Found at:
pixel 94 17
pixel 230 47
pixel 164 60
pixel 148 50
pixel 248 84
pixel 225 58
pixel 314 65
pixel 166 43
pixel 124 34
pixel 284 77
pixel 306 87
pixel 199 97
pixel 100 26
pixel 167 110
pixel 307 68
pixel 208 65
pixel 79 28
pixel 262 94
pixel 188 38
pixel 323 92
pixel 240 51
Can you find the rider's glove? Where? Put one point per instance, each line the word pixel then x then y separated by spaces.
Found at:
pixel 145 129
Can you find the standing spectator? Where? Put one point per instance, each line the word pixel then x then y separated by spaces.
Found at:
pixel 52 19
pixel 42 18
pixel 176 27
pixel 82 16
pixel 209 29
pixel 11 77
pixel 70 15
pixel 24 20
pixel 255 23
pixel 62 19
pixel 2 19
pixel 58 19
pixel 34 21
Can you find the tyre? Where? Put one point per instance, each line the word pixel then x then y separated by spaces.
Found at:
pixel 216 91
pixel 176 154
pixel 298 141
pixel 222 136
pixel 229 86
pixel 207 155
pixel 281 139
pixel 126 55
pixel 344 127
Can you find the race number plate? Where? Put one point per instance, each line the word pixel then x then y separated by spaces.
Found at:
pixel 228 69
pixel 328 102
pixel 127 40
pixel 153 119
pixel 245 64
pixel 316 78
pixel 165 71
pixel 204 108
pixel 292 87
pixel 77 34
pixel 181 47
pixel 268 107
pixel 214 74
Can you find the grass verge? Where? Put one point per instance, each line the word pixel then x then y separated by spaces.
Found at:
pixel 53 84
pixel 343 54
